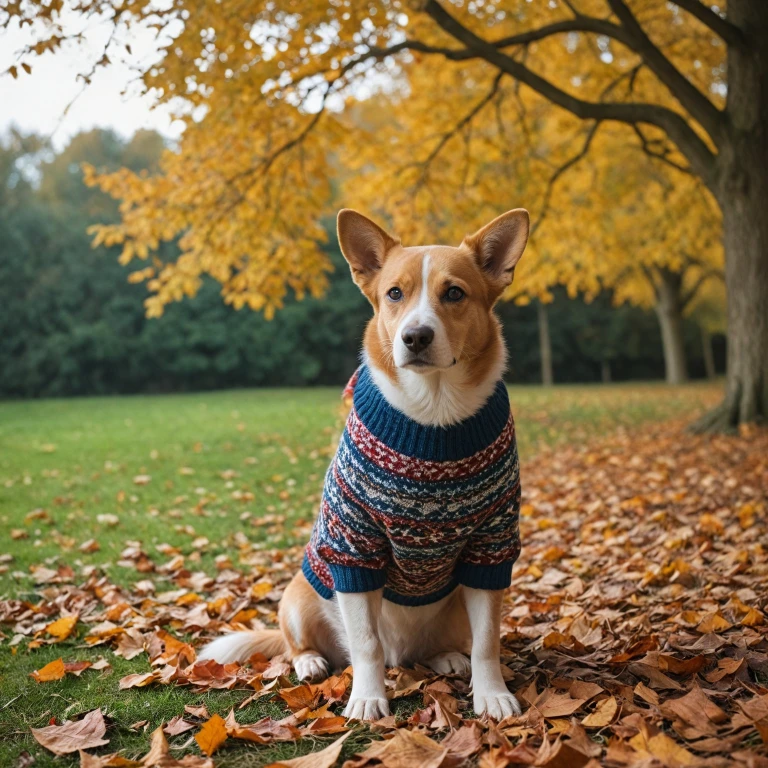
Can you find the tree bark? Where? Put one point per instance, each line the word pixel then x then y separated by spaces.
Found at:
pixel 669 310
pixel 742 193
pixel 706 351
pixel 545 346
pixel 605 370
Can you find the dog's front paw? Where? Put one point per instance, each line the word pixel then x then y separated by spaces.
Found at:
pixel 366 709
pixel 496 705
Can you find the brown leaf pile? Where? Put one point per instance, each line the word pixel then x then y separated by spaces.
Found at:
pixel 634 633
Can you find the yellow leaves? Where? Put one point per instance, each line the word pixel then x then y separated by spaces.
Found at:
pixel 140 275
pixel 53 671
pixel 603 714
pixel 553 639
pixel 56 670
pixel 212 735
pixel 127 253
pixel 665 749
pixel 246 189
pixel 711 525
pixel 62 628
pixel 713 622
pixel 261 589
pixel 747 514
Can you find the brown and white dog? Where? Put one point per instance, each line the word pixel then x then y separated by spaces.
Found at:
pixel 437 362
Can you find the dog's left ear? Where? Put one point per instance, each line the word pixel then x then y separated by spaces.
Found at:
pixel 499 245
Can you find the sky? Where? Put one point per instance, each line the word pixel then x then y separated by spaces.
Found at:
pixel 38 102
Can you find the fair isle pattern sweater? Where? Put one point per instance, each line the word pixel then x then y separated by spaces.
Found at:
pixel 417 509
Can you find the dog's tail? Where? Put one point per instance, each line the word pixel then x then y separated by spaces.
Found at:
pixel 240 646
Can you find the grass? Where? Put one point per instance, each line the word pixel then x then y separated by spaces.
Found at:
pixel 192 471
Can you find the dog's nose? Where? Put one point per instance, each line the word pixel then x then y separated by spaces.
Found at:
pixel 418 337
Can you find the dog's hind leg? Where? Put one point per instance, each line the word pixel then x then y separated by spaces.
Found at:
pixel 310 665
pixel 310 627
pixel 450 663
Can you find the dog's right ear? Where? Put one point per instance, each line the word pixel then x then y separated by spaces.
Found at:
pixel 364 244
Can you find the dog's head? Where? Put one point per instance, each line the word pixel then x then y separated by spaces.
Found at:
pixel 433 304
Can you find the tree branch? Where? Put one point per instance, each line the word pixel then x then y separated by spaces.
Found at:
pixel 729 32
pixel 690 97
pixel 690 294
pixel 558 173
pixel 446 137
pixel 648 272
pixel 690 144
pixel 662 155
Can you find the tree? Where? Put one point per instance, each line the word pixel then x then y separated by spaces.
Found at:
pixel 655 240
pixel 708 312
pixel 264 85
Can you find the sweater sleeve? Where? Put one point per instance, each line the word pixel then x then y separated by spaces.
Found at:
pixel 351 543
pixel 487 559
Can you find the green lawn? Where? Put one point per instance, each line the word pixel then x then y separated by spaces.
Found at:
pixel 192 471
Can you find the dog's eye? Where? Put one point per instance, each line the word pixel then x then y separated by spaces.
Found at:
pixel 395 294
pixel 454 294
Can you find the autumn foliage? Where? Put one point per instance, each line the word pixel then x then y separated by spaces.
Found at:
pixel 439 115
pixel 634 632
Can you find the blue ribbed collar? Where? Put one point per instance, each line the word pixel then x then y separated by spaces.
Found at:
pixel 407 436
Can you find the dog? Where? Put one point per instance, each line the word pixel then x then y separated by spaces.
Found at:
pixel 418 528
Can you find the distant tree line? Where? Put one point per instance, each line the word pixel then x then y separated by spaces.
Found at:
pixel 71 324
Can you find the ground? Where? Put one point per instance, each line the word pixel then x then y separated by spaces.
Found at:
pixel 643 575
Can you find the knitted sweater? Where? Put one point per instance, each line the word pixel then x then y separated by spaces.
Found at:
pixel 417 509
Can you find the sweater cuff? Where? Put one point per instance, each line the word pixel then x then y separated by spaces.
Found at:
pixel 485 576
pixel 347 578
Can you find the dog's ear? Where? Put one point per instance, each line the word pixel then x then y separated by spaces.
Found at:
pixel 499 245
pixel 364 244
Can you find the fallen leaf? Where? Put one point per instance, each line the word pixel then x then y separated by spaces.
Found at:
pixel 696 709
pixel 199 710
pixel 212 735
pixel 324 759
pixel 54 670
pixel 73 735
pixel 665 749
pixel 582 690
pixel 638 648
pixel 300 696
pixel 647 694
pixel 62 628
pixel 551 704
pixel 406 749
pixel 106 761
pixel 137 680
pixel 326 726
pixel 462 744
pixel 177 725
pixel 158 748
pixel 603 714
pixel 713 622
pixel 76 667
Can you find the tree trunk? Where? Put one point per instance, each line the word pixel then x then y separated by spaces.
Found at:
pixel 742 193
pixel 545 346
pixel 669 310
pixel 605 370
pixel 706 351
